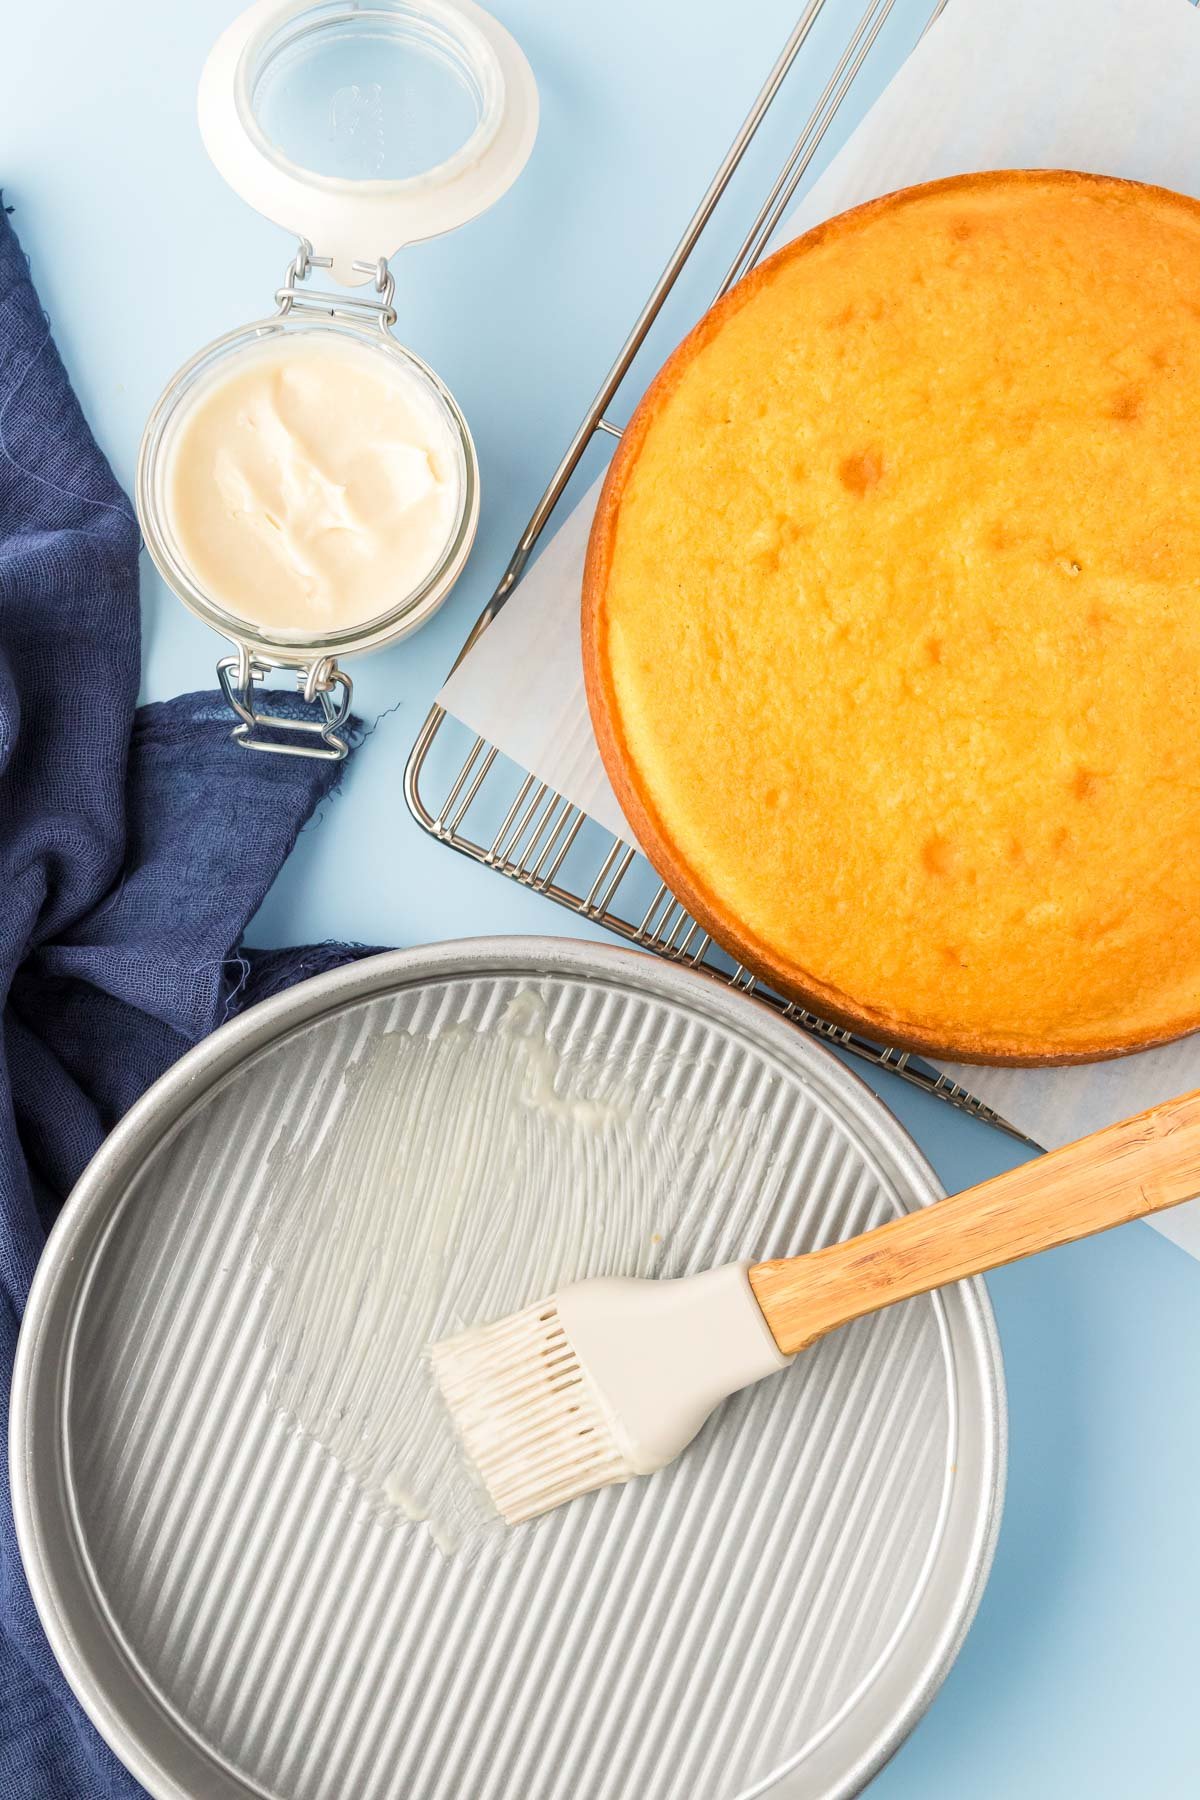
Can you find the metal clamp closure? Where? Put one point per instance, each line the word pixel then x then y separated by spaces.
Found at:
pixel 294 297
pixel 321 683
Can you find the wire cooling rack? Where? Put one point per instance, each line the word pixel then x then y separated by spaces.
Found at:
pixel 468 795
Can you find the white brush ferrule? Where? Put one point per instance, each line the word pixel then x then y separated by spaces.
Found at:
pixel 661 1354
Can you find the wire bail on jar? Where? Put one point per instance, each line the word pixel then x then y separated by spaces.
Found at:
pixel 321 683
pixel 295 296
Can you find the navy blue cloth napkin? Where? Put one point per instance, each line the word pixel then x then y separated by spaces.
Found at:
pixel 134 848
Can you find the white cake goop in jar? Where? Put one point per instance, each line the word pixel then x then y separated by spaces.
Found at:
pixel 312 483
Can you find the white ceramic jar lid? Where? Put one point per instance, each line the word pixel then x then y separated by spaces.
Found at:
pixel 366 125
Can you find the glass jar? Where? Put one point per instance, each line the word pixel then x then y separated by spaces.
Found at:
pixel 362 127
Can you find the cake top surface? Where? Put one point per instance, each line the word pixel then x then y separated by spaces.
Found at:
pixel 892 617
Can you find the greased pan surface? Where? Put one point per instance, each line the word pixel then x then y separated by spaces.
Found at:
pixel 214 1461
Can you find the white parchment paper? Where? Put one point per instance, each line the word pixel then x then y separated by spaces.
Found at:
pixel 1106 85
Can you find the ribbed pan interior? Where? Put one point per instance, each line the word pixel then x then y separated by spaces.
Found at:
pixel 691 1637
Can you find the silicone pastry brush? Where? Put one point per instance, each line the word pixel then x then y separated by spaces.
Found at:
pixel 612 1378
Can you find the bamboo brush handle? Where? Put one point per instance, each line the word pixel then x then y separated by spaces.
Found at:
pixel 1141 1166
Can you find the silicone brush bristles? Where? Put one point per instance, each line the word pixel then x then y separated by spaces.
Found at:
pixel 611 1378
pixel 528 1413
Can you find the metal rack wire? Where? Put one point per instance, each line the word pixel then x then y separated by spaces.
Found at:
pixel 509 820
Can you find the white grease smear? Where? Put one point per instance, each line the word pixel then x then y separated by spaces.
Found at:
pixel 468 1173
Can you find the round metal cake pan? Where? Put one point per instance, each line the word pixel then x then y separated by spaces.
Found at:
pixel 238 1605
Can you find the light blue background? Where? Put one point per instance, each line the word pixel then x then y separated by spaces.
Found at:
pixel 1080 1677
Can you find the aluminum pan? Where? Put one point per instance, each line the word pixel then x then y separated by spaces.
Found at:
pixel 925 1517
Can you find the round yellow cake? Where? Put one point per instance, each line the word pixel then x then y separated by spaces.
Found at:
pixel 892 618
